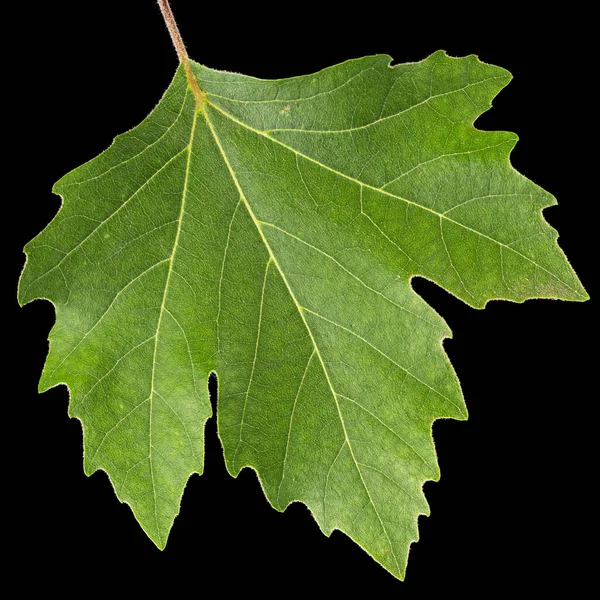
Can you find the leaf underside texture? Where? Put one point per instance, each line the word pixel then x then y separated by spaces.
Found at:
pixel 270 236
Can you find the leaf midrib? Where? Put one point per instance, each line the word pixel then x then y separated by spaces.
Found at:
pixel 299 308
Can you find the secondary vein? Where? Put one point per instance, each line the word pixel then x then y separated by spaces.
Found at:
pixel 163 310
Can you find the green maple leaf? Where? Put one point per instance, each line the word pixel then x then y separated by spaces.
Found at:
pixel 268 231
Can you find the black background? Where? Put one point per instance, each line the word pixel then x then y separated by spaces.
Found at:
pixel 514 506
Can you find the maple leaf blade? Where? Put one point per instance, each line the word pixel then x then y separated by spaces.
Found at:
pixel 270 235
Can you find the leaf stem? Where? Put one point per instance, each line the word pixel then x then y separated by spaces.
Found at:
pixel 177 40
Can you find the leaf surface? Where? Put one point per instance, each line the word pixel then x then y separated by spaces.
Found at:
pixel 270 236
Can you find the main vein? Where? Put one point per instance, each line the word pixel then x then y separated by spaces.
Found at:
pixel 301 313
